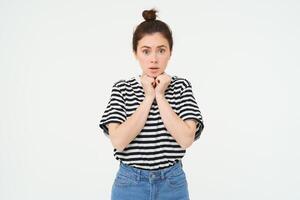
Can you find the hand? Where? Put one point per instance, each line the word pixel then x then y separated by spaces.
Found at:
pixel 162 82
pixel 148 84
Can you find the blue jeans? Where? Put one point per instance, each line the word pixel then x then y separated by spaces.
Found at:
pixel 140 184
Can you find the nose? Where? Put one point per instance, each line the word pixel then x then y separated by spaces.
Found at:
pixel 153 58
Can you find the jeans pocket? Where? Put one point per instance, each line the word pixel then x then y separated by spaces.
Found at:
pixel 123 180
pixel 177 179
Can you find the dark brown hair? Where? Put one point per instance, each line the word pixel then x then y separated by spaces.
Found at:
pixel 149 26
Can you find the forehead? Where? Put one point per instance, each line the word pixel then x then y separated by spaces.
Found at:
pixel 153 40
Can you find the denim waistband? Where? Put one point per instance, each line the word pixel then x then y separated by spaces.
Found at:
pixel 138 174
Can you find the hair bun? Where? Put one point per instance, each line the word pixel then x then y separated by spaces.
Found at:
pixel 149 15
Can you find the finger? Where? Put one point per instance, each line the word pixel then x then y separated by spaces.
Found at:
pixel 154 84
pixel 157 81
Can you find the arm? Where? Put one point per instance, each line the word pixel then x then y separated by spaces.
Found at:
pixel 122 134
pixel 182 131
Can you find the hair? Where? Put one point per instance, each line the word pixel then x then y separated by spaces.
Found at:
pixel 149 26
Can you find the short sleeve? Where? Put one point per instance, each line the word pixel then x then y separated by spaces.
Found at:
pixel 115 110
pixel 188 109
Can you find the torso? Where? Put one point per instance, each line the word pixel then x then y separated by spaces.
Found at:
pixel 153 147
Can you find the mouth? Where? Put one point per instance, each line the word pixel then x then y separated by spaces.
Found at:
pixel 154 68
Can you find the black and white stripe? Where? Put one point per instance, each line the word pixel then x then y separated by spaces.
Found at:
pixel 154 147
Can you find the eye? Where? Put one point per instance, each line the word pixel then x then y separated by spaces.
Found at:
pixel 162 50
pixel 145 51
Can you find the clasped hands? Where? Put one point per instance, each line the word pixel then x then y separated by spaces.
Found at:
pixel 154 86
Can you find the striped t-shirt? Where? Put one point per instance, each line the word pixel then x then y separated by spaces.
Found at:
pixel 154 147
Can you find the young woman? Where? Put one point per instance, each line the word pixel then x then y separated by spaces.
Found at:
pixel 151 119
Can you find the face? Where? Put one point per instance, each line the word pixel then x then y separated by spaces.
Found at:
pixel 153 54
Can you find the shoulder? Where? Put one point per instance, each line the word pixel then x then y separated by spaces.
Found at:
pixel 181 81
pixel 119 82
pixel 122 83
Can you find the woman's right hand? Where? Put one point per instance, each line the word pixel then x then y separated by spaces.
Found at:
pixel 148 84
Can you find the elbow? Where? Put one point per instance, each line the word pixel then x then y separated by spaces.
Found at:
pixel 118 144
pixel 187 143
pixel 189 138
pixel 115 140
pixel 119 148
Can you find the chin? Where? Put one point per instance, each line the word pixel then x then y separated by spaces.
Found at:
pixel 154 75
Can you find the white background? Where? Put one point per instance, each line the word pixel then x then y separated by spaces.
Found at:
pixel 59 60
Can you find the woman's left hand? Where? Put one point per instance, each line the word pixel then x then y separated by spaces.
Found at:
pixel 162 82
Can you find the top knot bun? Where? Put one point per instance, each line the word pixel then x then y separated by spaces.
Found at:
pixel 149 15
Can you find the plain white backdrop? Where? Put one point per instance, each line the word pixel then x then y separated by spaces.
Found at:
pixel 59 60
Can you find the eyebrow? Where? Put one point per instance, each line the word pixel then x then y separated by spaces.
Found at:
pixel 157 46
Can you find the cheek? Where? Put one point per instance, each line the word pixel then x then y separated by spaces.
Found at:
pixel 164 61
pixel 144 60
pixel 143 63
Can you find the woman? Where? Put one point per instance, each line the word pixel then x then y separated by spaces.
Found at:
pixel 151 120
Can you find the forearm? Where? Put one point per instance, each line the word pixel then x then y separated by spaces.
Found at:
pixel 129 129
pixel 174 124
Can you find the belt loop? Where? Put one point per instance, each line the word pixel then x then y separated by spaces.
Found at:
pixel 162 174
pixel 138 175
pixel 180 162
